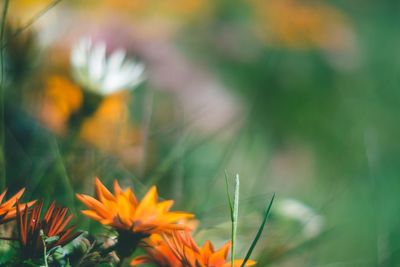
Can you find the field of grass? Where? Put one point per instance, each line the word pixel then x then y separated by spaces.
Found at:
pixel 271 124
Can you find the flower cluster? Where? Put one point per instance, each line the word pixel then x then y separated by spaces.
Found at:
pixel 88 101
pixel 151 225
pixel 44 236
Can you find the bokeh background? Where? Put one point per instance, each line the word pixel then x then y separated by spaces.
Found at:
pixel 299 97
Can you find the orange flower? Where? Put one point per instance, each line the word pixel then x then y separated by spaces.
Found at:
pixel 180 250
pixel 8 209
pixel 54 223
pixel 132 219
pixel 124 212
pixel 158 253
pixel 110 129
pixel 303 25
pixel 61 99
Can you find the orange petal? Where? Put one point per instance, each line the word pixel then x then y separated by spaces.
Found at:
pixel 92 214
pixel 140 260
pixel 94 204
pixel 131 196
pixel 218 258
pixel 102 191
pixel 117 188
pixel 207 250
pixel 147 204
pixel 2 195
pixel 164 206
pixel 11 202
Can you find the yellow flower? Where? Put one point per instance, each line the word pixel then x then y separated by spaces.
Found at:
pixel 124 212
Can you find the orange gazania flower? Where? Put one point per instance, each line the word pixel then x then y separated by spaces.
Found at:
pixel 54 223
pixel 180 250
pixel 158 253
pixel 8 209
pixel 124 212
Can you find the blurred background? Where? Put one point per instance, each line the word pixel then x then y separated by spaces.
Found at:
pixel 299 97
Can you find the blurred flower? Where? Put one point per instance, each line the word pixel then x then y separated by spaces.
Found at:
pixel 61 99
pixel 181 250
pixel 313 223
pixel 303 24
pixel 176 10
pixel 110 130
pixel 53 224
pixel 8 209
pixel 100 74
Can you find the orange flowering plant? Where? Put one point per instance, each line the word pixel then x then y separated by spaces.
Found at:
pixel 132 219
pixel 38 235
pixel 32 228
pixel 90 98
pixel 8 209
pixel 46 238
pixel 179 249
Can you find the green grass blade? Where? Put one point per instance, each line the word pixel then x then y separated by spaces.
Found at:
pixel 235 216
pixel 259 232
pixel 2 122
pixel 228 195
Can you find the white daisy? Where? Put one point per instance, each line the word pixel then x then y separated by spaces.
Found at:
pixel 101 74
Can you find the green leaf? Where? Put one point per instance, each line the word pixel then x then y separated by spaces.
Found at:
pixel 259 232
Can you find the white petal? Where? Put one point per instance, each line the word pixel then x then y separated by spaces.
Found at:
pixel 97 62
pixel 79 52
pixel 115 60
pixel 95 72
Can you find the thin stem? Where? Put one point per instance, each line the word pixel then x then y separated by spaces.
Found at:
pixel 2 121
pixel 235 216
pixel 42 235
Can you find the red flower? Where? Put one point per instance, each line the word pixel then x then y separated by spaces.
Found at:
pixel 54 223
